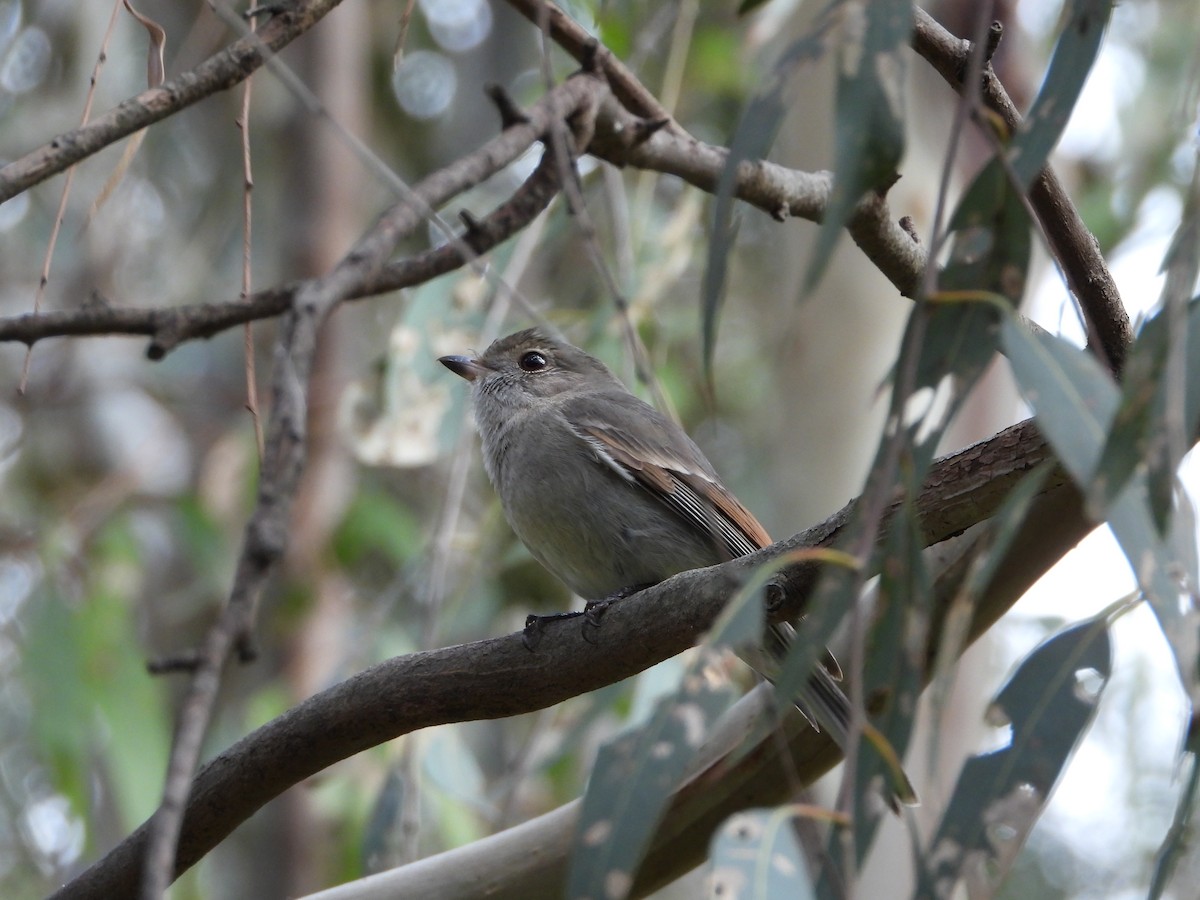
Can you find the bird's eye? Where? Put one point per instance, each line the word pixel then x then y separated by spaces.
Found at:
pixel 533 361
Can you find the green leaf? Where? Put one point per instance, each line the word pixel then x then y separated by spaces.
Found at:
pixel 1049 703
pixel 93 702
pixel 633 779
pixel 991 550
pixel 636 773
pixel 947 345
pixel 869 125
pixel 1074 55
pixel 1155 567
pixel 1176 420
pixel 1073 397
pixel 1075 401
pixel 1137 421
pixel 894 675
pixel 756 854
pixel 991 246
pixel 380 834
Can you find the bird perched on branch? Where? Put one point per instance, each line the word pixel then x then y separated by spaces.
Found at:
pixel 610 495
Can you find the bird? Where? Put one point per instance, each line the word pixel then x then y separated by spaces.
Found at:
pixel 612 496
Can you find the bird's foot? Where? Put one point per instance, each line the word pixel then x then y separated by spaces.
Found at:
pixel 535 626
pixel 593 612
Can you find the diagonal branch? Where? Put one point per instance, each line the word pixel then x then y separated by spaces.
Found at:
pixel 499 677
pixel 169 327
pixel 571 36
pixel 531 859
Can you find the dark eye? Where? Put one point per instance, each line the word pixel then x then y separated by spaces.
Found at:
pixel 533 361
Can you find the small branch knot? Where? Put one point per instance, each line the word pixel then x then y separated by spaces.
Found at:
pixel 589 59
pixel 909 227
pixel 472 224
pixel 643 129
pixel 510 113
pixel 992 41
pixel 773 596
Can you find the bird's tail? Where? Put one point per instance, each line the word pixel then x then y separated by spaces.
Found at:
pixel 826 706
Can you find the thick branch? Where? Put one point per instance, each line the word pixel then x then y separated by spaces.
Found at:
pixel 499 677
pixel 529 861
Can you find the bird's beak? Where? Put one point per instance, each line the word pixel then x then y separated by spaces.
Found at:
pixel 465 366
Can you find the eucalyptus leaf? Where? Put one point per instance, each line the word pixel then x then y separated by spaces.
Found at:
pixel 869 122
pixel 633 778
pixel 1048 703
pixel 756 854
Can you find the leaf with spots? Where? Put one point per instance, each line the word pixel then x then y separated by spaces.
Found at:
pixel 1048 704
pixel 635 774
pixel 757 854
pixel 1075 403
pixel 1141 426
pixel 1074 55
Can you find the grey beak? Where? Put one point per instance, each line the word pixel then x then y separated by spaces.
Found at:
pixel 465 366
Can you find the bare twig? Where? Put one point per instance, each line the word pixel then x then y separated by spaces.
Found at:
pixel 568 34
pixel 168 328
pixel 243 125
pixel 101 58
pixel 218 73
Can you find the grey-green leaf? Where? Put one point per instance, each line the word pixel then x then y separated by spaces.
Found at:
pixel 1049 703
pixel 755 854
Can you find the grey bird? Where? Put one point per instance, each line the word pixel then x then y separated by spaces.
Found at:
pixel 610 495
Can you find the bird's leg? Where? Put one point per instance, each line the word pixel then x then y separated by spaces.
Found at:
pixel 594 610
pixel 531 636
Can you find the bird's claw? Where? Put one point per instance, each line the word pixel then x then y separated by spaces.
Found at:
pixel 593 612
pixel 531 635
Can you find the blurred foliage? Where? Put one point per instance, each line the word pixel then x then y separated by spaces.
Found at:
pixel 125 484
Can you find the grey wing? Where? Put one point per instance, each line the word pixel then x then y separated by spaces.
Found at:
pixel 645 446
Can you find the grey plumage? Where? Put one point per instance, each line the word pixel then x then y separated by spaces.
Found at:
pixel 606 492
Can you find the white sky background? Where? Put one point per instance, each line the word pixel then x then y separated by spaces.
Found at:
pixel 1115 801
